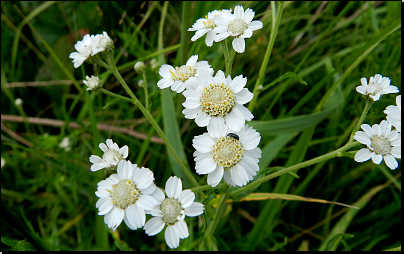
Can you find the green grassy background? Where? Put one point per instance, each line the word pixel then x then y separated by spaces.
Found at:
pixel 47 193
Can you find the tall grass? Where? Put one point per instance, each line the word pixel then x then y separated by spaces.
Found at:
pixel 308 57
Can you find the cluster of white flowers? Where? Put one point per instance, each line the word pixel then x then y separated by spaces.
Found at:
pixel 218 25
pixel 382 142
pixel 90 46
pixel 131 193
pixel 229 149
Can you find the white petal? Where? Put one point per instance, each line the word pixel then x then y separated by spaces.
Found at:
pixel 227 178
pixel 202 119
pixel 143 177
pixel 244 96
pixel 376 130
pixel 363 155
pixel 181 229
pixel 173 187
pixel 367 129
pixel 146 202
pixel 103 147
pixel 217 127
pixel 194 209
pixel 203 143
pixel 216 176
pixel 116 218
pixel 390 161
pixel 396 152
pixel 238 83
pixel 238 45
pixel 135 216
pixel 238 175
pixel 154 226
pixel 105 207
pixel 235 120
pixel 377 158
pixel 255 25
pixel 248 116
pixel 186 198
pixel 205 166
pixel 172 239
pixel 98 166
pixel 95 159
pixel 124 151
pixel 362 137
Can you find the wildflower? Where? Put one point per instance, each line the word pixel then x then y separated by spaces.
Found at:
pixel 206 26
pixel 126 196
pixel 381 142
pixel 93 83
pixel 394 114
pixel 377 87
pixel 65 144
pixel 111 157
pixel 84 50
pixel 100 43
pixel 238 25
pixel 179 77
pixel 233 156
pixel 171 211
pixel 217 102
pixel 3 162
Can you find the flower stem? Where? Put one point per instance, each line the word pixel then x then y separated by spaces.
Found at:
pixel 337 153
pixel 228 57
pixel 218 215
pixel 369 103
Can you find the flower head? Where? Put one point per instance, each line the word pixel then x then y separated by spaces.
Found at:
pixel 377 87
pixel 217 102
pixel 394 114
pixel 126 196
pixel 111 157
pixel 84 50
pixel 171 211
pixel 101 42
pixel 381 142
pixel 233 156
pixel 93 83
pixel 66 144
pixel 206 26
pixel 238 26
pixel 179 77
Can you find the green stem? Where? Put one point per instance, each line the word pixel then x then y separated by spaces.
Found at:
pixel 337 153
pixel 208 187
pixel 272 37
pixel 146 93
pixel 228 57
pixel 369 103
pixel 218 215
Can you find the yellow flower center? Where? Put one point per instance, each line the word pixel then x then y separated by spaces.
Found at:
pixel 217 99
pixel 227 152
pixel 124 194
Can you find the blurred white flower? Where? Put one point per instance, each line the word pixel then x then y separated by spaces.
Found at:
pixel 84 50
pixel 206 26
pixel 171 211
pixel 3 162
pixel 234 156
pixel 18 102
pixel 65 144
pixel 238 25
pixel 377 87
pixel 179 77
pixel 126 196
pixel 394 114
pixel 93 83
pixel 381 142
pixel 111 157
pixel 217 102
pixel 139 67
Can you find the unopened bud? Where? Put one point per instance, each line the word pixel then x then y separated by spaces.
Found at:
pixel 140 67
pixel 18 102
pixel 93 83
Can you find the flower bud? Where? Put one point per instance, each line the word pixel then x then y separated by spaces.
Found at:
pixel 140 67
pixel 93 83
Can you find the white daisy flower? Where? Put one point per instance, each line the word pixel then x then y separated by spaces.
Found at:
pixel 84 50
pixel 377 87
pixel 238 25
pixel 179 77
pixel 217 102
pixel 126 196
pixel 206 26
pixel 171 211
pixel 382 143
pixel 93 83
pixel 394 114
pixel 111 157
pixel 233 156
pixel 101 42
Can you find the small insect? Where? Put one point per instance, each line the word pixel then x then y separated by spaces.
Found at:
pixel 233 135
